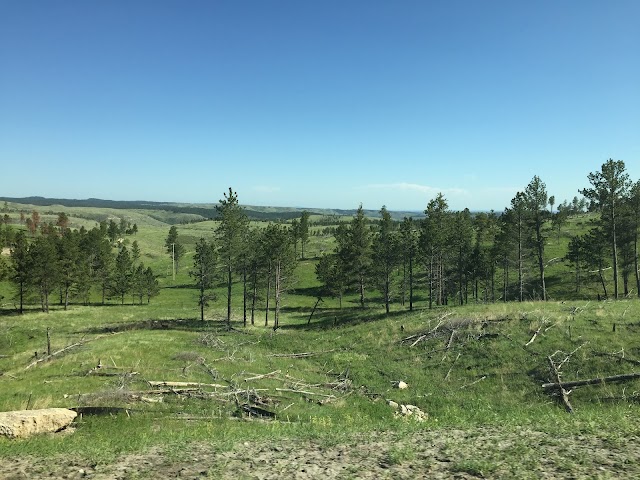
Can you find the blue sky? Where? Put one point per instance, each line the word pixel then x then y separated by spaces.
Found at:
pixel 316 104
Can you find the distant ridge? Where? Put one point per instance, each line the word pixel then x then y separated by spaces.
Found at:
pixel 206 211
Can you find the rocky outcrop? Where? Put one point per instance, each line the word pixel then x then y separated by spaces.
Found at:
pixel 407 411
pixel 24 423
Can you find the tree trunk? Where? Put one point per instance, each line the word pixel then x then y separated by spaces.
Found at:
pixel 411 283
pixel 635 262
pixel 254 296
pixel 266 309
pixel 387 286
pixel 229 279
pixel 430 282
pixel 614 247
pixel 277 291
pixel 244 295
pixel 540 247
pixel 201 304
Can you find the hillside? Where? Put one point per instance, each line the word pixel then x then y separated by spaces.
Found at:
pixel 175 213
pixel 314 397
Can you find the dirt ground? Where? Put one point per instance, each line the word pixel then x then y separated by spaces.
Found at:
pixel 444 453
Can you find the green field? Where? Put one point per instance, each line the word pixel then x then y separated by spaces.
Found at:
pixel 476 371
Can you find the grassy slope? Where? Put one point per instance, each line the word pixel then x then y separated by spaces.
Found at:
pixel 486 377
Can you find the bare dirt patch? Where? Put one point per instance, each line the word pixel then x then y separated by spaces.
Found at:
pixel 444 453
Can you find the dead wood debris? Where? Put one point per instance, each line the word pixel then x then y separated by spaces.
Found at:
pixel 450 332
pixel 555 370
pixel 301 355
pixel 594 381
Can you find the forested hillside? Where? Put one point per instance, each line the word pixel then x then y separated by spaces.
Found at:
pixel 534 250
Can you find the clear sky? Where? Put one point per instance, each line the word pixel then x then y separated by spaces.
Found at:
pixel 326 103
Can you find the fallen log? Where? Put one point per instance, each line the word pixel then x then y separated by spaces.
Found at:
pixel 593 381
pixel 264 375
pixel 102 373
pixel 300 355
pixel 59 352
pixel 618 357
pixel 156 384
pixel 303 392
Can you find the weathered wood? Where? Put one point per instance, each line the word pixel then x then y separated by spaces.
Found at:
pixel 618 357
pixel 484 377
pixel 535 334
pixel 265 375
pixel 314 310
pixel 48 341
pixel 451 368
pixel 594 381
pixel 48 357
pixel 453 332
pixel 564 394
pixel 103 373
pixel 155 384
pixel 303 392
pixel 300 355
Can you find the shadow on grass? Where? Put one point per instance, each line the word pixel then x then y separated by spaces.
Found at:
pixel 328 318
pixel 182 324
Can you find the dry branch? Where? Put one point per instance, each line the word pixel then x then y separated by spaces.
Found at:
pixel 101 373
pixel 535 334
pixel 300 355
pixel 564 394
pixel 155 384
pixel 303 392
pixel 265 375
pixel 452 365
pixel 453 332
pixel 473 383
pixel 594 381
pixel 618 357
pixel 54 354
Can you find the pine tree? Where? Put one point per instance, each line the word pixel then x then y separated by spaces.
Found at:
pixel 122 274
pixel 609 187
pixel 203 272
pixel 70 263
pixel 354 251
pixel 43 268
pixel 385 253
pixel 535 197
pixel 279 254
pixel 174 248
pixel 20 272
pixel 231 232
pixel 304 230
pixel 151 284
pixel 433 242
pixel 409 249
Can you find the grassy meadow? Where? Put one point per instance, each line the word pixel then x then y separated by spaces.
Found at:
pixel 329 381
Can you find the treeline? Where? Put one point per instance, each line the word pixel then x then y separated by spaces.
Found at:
pixel 454 256
pixel 70 264
pixel 263 259
pixel 448 257
pixel 206 213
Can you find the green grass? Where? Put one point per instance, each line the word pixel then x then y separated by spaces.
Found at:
pixel 486 376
